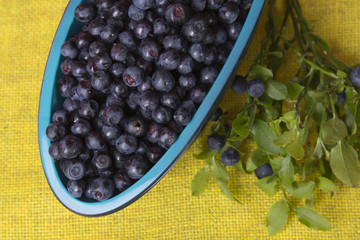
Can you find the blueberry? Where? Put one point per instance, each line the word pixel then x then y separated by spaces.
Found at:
pixel 263 171
pixel 209 37
pixel 109 33
pixel 198 94
pixel 170 100
pixel 54 151
pixel 198 52
pixel 119 159
pixel 85 155
pixel 103 61
pixel 126 144
pixel 162 80
pixel 184 113
pixel 239 85
pixel 167 137
pixel 143 147
pixel 186 65
pixel 133 99
pixel 154 154
pixel 149 50
pixel 151 16
pixel 121 181
pixel 65 66
pixel 216 141
pixel 76 188
pixel 355 76
pixel 169 59
pixel 147 115
pixel 220 36
pixel 119 52
pixel 91 66
pixel 142 29
pixel 116 69
pixel 84 56
pixel 135 126
pixel 95 26
pixel 64 86
pixel 212 17
pixel 112 115
pixel 84 13
pixel 70 105
pixel 135 13
pixel 229 12
pixel 160 27
pixel 174 42
pixel 118 11
pixel 133 76
pixel 101 188
pixel 100 80
pixel 130 59
pixel 97 47
pixel 110 133
pixel 144 4
pixel 198 5
pixel 208 74
pixel 73 169
pixel 217 114
pixel 177 14
pixel 246 4
pixel 256 88
pixel 162 115
pixel 61 116
pixel 55 131
pixel 84 39
pixel 83 90
pixel 104 4
pixel 163 3
pixel 149 100
pixel 102 162
pixel 230 157
pixel 136 166
pixel 153 132
pixel 88 108
pixel 128 40
pixel 95 141
pixel 212 55
pixel 81 128
pixel 70 146
pixel 78 69
pixel 234 30
pixel 118 88
pixel 214 4
pixel 194 30
pixel 341 97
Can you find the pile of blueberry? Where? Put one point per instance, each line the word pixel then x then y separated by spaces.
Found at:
pixel 132 80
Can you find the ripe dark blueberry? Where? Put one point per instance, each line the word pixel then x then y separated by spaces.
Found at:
pixel 147 115
pixel 194 30
pixel 198 52
pixel 154 154
pixel 220 36
pixel 113 100
pixel 198 5
pixel 170 99
pixel 104 4
pixel 144 4
pixel 256 88
pixel 97 47
pixel 151 16
pixel 110 133
pixel 133 76
pixel 212 17
pixel 149 100
pixel 83 90
pixel 135 126
pixel 149 50
pixel 209 37
pixel 169 60
pixel 239 85
pixel 208 74
pixel 121 181
pixel 214 4
pixel 174 42
pixel 55 131
pixel 184 113
pixel 230 157
pixel 76 188
pixel 85 155
pixel 95 26
pixel 246 4
pixel 142 29
pixel 229 12
pixel 84 56
pixel 177 128
pixel 136 166
pixel 212 56
pixel 167 137
pixel 94 141
pixel 119 158
pixel 341 97
pixel 84 39
pixel 131 25
pixel 198 94
pixel 187 81
pixel 143 147
pixel 355 76
pixel 74 117
pixel 101 188
pixel 84 13
pixel 54 151
pixel 234 30
pixel 117 69
pixel 119 52
pixel 130 60
pixel 103 61
pixel 70 105
pixel 145 85
pixel 103 14
pixel 162 80
pixel 109 33
pixel 162 3
pixel 68 49
pixel 73 169
pixel 160 27
pixel 162 115
pixel 216 141
pixel 102 162
pixel 65 66
pixel 70 146
pixel 153 132
pixel 264 171
pixel 177 13
pixel 133 99
pixel 91 66
pixel 88 108
pixel 118 88
pixel 118 11
pixel 112 115
pixel 217 114
pixel 78 69
pixel 135 13
pixel 126 144
pixel 186 65
pixel 61 116
pixel 65 85
pixel 81 128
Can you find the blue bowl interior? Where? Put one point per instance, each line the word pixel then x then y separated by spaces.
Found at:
pixel 50 101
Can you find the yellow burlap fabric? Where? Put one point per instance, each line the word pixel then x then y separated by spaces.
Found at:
pixel 29 210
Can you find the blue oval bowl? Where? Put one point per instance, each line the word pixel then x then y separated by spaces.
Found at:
pixel 50 101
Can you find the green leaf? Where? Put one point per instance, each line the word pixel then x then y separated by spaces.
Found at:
pixel 344 163
pixel 240 125
pixel 241 166
pixel 300 190
pixel 225 190
pixel 341 74
pixel 318 96
pixel 200 182
pixel 264 137
pixel 256 159
pixel 276 163
pixel 276 54
pixel 294 89
pixel 295 148
pixel 260 72
pixel 326 185
pixel 205 154
pixel 320 41
pixel 351 95
pixel 219 173
pixel 267 184
pixel 277 217
pixel 312 219
pixel 286 172
pixel 333 131
pixel 286 138
pixel 276 90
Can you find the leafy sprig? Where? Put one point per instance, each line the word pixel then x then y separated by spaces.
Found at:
pixel 309 144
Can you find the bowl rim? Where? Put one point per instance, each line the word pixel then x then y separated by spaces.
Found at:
pixel 185 139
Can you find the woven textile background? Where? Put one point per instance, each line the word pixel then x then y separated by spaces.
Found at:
pixel 29 210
